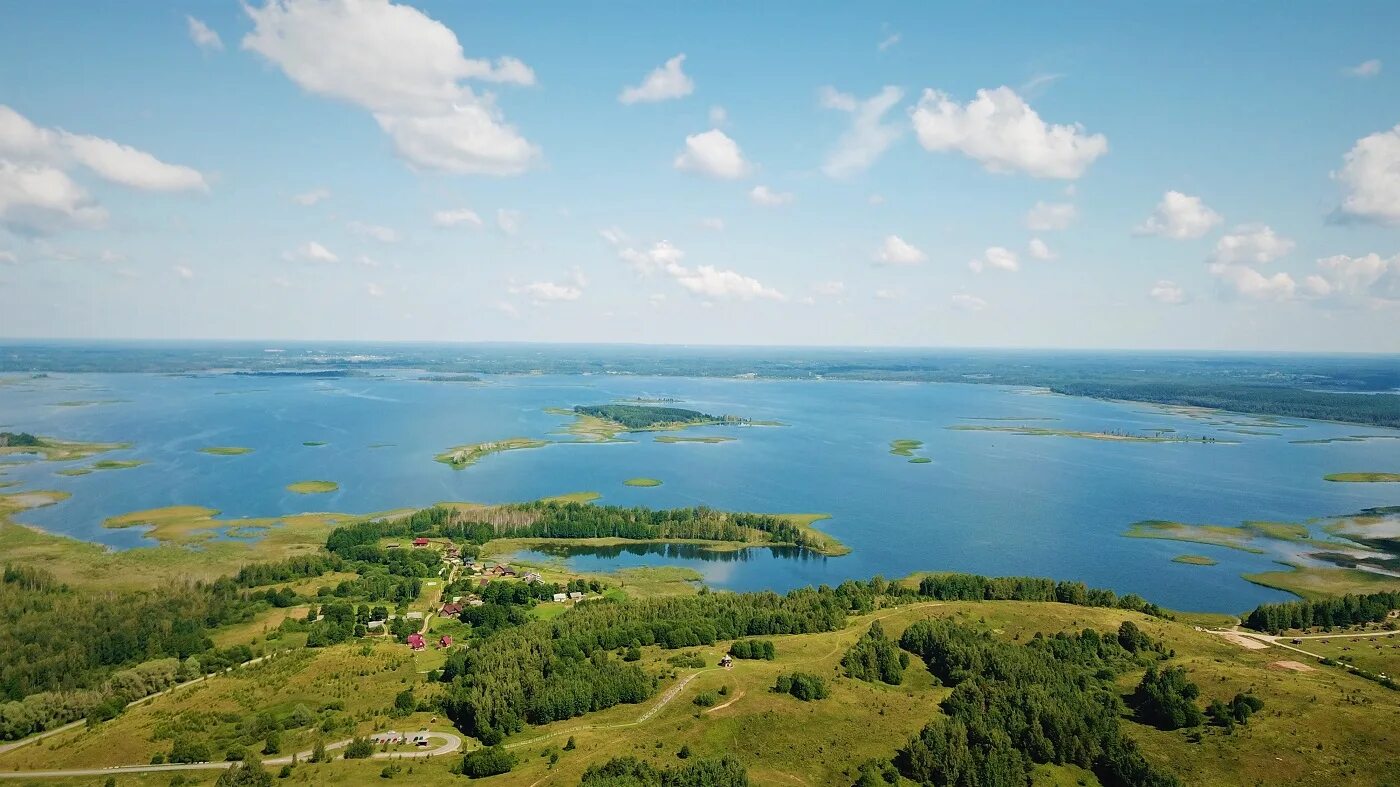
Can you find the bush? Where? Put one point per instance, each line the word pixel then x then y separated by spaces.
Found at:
pixel 359 749
pixel 1167 699
pixel 184 750
pixel 490 761
pixel 753 649
pixel 706 699
pixel 875 657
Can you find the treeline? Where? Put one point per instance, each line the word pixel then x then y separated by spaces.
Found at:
pixel 636 417
pixel 972 587
pixel 724 771
pixel 875 657
pixel 756 649
pixel 53 638
pixel 1348 610
pixel 1378 409
pixel 19 440
pixel 298 567
pixel 1051 700
pixel 802 685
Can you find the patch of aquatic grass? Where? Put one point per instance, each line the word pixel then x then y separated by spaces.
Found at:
pixel 312 487
pixel 467 455
pixel 1217 535
pixel 905 447
pixel 1363 478
pixel 1195 560
pixel 920 460
pixel 670 438
pixel 642 482
pixel 225 450
pixel 313 443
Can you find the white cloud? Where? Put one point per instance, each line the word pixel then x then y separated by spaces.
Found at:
pixel 713 223
pixel 407 70
pixel 830 289
pixel 714 154
pixel 1367 277
pixel 311 251
pixel 875 199
pixel 996 257
pixel 508 221
pixel 374 290
pixel 718 116
pixel 1250 283
pixel 36 200
pixel 1051 216
pixel 894 250
pixel 203 37
pixel 183 271
pixel 281 281
pixel 1255 244
pixel 762 195
pixel 9 257
pixel 373 231
pixel 1038 249
pixel 507 308
pixel 312 197
pixel 663 83
pixel 888 41
pixel 1370 175
pixel 1000 130
pixel 1179 216
pixel 888 294
pixel 661 256
pixel 367 261
pixel 968 303
pixel 868 136
pixel 1365 69
pixel 541 291
pixel 457 217
pixel 1166 291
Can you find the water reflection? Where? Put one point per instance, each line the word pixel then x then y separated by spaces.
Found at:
pixel 674 552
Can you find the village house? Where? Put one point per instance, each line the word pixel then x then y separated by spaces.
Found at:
pixel 420 542
pixel 413 615
pixel 451 610
pixel 561 596
pixel 445 641
pixel 415 641
pixel 727 661
pixel 531 577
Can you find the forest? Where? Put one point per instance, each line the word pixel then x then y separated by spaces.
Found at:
pixel 638 417
pixel 18 440
pixel 1375 410
pixel 1348 610
pixel 1051 700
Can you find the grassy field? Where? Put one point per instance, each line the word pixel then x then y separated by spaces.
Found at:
pixel 642 482
pixel 1363 478
pixel 1313 582
pixel 1378 652
pixel 225 450
pixel 1195 560
pixel 313 487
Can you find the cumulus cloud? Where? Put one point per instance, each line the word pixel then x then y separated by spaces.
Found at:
pixel 968 303
pixel 1370 177
pixel 1045 216
pixel 714 154
pixel 1249 283
pixel 888 294
pixel 571 289
pixel 888 42
pixel 313 197
pixel 996 257
pixel 183 271
pixel 1166 291
pixel 407 70
pixel 37 192
pixel 1038 249
pixel 1003 133
pixel 203 37
pixel 36 200
pixel 894 250
pixel 1255 244
pixel 868 137
pixel 1179 216
pixel 456 218
pixel 704 280
pixel 830 289
pixel 762 195
pixel 1368 277
pixel 663 83
pixel 374 290
pixel 8 257
pixel 373 231
pixel 663 255
pixel 713 223
pixel 1365 69
pixel 311 251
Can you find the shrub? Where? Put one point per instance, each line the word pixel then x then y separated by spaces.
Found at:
pixel 802 685
pixel 490 761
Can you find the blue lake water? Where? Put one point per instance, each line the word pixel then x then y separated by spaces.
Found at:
pixel 988 502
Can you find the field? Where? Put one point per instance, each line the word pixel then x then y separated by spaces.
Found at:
pixel 1319 727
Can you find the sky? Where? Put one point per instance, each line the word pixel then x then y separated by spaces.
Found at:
pixel 1185 176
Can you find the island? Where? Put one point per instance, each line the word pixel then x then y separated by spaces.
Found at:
pixel 449 378
pixel 312 487
pixel 1160 436
pixel 225 450
pixel 906 447
pixel 52 449
pixel 467 455
pixel 1363 478
pixel 1195 560
pixel 642 482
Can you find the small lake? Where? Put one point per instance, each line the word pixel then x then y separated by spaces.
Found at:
pixel 987 502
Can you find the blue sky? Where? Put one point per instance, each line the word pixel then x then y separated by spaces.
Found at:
pixel 1207 175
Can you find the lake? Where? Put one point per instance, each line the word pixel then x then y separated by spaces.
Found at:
pixel 988 502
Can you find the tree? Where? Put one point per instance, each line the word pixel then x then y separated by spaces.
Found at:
pixel 248 774
pixel 359 748
pixel 405 703
pixel 489 761
pixel 318 752
pixel 1167 699
pixel 273 744
pixel 184 750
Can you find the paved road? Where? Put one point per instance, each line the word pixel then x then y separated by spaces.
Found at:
pixel 451 743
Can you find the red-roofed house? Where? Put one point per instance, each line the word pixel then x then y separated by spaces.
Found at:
pixel 451 610
pixel 420 542
pixel 415 641
pixel 445 642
